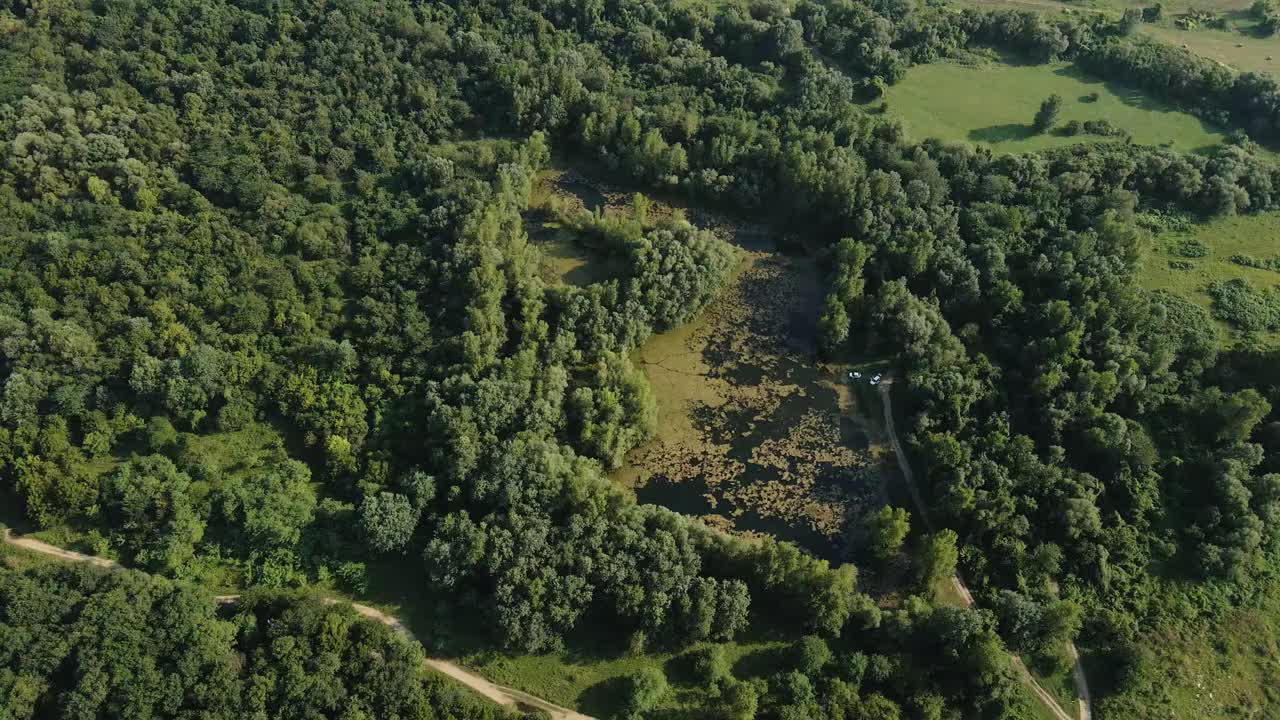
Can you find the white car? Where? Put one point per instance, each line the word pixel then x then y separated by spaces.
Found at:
pixel 855 375
pixel 875 379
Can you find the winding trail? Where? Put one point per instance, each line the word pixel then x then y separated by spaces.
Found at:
pixel 1077 669
pixel 501 695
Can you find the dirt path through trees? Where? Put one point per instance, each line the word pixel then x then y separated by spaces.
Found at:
pixel 1077 670
pixel 508 697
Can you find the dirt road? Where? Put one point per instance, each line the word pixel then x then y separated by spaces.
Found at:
pixel 508 697
pixel 1077 670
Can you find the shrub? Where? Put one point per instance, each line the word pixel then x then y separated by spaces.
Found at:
pixel 1104 128
pixel 645 689
pixel 739 702
pixel 711 666
pixel 1192 248
pixel 812 655
pixel 1259 263
pixel 1237 302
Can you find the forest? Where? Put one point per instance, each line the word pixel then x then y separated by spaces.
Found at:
pixel 269 312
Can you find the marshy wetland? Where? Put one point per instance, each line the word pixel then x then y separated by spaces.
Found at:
pixel 753 434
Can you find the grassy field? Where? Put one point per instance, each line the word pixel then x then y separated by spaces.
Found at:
pixel 1238 46
pixel 592 681
pixel 1215 671
pixel 993 104
pixel 1167 265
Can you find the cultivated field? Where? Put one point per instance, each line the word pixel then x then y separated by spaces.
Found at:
pixel 993 104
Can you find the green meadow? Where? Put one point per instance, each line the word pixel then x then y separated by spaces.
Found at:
pixel 993 104
pixel 1188 262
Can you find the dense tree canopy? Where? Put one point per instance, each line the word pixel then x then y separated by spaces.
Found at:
pixel 82 642
pixel 267 300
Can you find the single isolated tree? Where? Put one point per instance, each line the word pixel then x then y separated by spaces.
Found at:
pixel 938 557
pixel 645 689
pixel 887 528
pixel 1048 113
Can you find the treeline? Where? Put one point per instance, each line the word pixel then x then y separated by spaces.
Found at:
pixel 1204 87
pixel 81 642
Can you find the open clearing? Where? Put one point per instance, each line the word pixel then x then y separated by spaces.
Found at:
pixel 1225 669
pixel 752 435
pixel 1239 46
pixel 993 104
pixel 1171 263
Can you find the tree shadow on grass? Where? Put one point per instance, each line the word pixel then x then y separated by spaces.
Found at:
pixel 1008 132
pixel 1136 97
pixel 604 699
pixel 762 663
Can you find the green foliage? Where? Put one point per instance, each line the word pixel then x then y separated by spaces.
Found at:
pixel 125 644
pixel 887 528
pixel 645 690
pixel 739 701
pixel 711 667
pixel 937 559
pixel 1272 264
pixel 148 507
pixel 388 520
pixel 1047 115
pixel 1237 302
pixel 212 215
pixel 1192 248
pixel 812 655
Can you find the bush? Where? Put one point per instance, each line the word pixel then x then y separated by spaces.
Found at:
pixel 1070 129
pixel 1104 128
pixel 812 655
pixel 645 689
pixel 1237 302
pixel 1259 263
pixel 1192 248
pixel 739 702
pixel 711 666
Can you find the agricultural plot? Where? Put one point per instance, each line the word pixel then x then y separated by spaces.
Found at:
pixel 993 104
pixel 751 434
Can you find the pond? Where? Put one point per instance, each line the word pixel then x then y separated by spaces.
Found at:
pixel 753 434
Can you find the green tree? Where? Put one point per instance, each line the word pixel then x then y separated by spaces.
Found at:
pixel 739 701
pixel 1047 115
pixel 812 655
pixel 711 666
pixel 644 690
pixel 887 528
pixel 150 514
pixel 388 521
pixel 937 561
